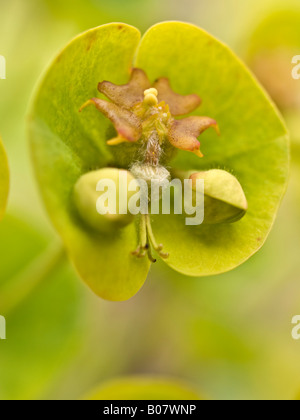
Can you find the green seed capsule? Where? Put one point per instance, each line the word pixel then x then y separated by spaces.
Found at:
pixel 102 196
pixel 224 198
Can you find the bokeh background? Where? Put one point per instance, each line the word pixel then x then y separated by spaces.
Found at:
pixel 226 337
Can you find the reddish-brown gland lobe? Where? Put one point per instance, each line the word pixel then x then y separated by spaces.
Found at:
pixel 129 95
pixel 178 104
pixel 132 111
pixel 126 123
pixel 183 134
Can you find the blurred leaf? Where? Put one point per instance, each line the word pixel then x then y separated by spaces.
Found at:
pixel 279 28
pixel 272 45
pixel 144 388
pixel 19 287
pixel 90 13
pixel 4 180
pixel 253 145
pixel 66 145
pixel 42 331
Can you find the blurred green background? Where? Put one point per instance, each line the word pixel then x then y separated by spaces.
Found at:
pixel 227 337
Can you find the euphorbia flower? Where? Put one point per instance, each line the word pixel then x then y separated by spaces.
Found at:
pixel 140 132
pixel 139 111
pixel 145 115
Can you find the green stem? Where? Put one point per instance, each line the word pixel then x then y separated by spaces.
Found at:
pixel 147 240
pixel 151 235
pixel 17 289
pixel 143 232
pixel 158 248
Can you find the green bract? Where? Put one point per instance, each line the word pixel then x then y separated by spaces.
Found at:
pixel 4 180
pixel 66 145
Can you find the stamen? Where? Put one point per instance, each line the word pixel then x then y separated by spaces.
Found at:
pixel 143 232
pixel 151 237
pixel 147 241
pixel 152 91
pixel 143 245
pixel 151 258
pixel 150 97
